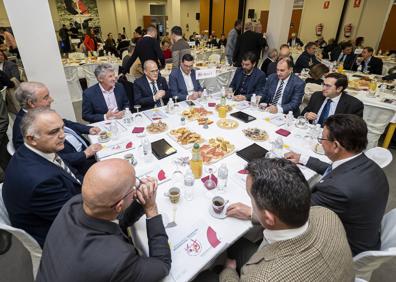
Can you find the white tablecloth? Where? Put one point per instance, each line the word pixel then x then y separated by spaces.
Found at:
pixel 189 212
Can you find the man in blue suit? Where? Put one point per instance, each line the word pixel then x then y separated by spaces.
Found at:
pixel 183 82
pixel 284 90
pixel 37 180
pixel 105 100
pixel 151 90
pixel 77 151
pixel 248 79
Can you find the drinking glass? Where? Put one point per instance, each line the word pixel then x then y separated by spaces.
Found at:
pixel 138 116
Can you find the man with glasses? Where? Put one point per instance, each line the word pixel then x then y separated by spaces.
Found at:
pixel 150 90
pixel 183 82
pixel 99 248
pixel 332 100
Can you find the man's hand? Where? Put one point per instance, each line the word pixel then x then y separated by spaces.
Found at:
pixel 240 211
pixel 239 98
pixel 111 114
pixel 272 109
pixel 94 130
pixel 92 149
pixel 119 115
pixel 310 116
pixel 146 194
pixel 194 96
pixel 159 95
pixel 293 157
pixel 230 263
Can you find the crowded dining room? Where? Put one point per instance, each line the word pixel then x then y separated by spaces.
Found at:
pixel 197 140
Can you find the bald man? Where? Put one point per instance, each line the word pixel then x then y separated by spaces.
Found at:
pixel 96 248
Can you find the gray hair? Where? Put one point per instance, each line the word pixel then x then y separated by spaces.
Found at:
pixel 26 92
pixel 102 69
pixel 28 126
pixel 273 53
pixel 148 62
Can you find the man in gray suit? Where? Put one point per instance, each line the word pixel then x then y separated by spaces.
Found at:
pixel 95 246
pixel 232 39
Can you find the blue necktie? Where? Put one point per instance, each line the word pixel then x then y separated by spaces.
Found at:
pixel 328 170
pixel 325 113
pixel 72 132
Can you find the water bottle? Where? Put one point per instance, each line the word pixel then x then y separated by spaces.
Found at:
pixel 170 106
pixel 189 184
pixel 222 177
pixel 278 147
pixel 127 117
pixel 223 101
pixel 253 100
pixel 205 95
pixel 289 119
pixel 146 145
pixel 114 130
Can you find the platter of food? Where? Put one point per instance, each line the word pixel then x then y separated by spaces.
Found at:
pixel 227 123
pixel 185 137
pixel 216 149
pixel 195 113
pixel 359 84
pixel 256 134
pixel 157 127
pixel 204 120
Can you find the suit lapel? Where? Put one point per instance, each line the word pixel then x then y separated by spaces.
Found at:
pixel 252 82
pixel 287 89
pixel 100 98
pixel 341 104
pixel 319 103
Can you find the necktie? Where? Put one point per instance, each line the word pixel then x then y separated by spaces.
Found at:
pixel 325 113
pixel 75 135
pixel 159 103
pixel 278 93
pixel 60 162
pixel 328 170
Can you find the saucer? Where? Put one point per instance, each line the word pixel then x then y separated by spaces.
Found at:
pixel 221 215
pixel 103 140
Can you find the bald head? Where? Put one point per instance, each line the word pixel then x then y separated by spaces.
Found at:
pixel 151 70
pixel 105 183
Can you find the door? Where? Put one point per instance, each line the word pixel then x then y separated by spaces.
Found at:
pixel 388 41
pixel 264 20
pixel 295 22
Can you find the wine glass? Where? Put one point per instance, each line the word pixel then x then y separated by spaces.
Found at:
pixel 176 105
pixel 138 116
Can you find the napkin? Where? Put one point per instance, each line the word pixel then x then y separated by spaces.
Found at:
pixel 161 175
pixel 212 237
pixel 138 130
pixel 243 171
pixel 129 145
pixel 214 178
pixel 211 104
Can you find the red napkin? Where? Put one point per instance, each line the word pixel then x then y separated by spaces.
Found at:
pixel 212 237
pixel 243 171
pixel 283 132
pixel 161 175
pixel 214 178
pixel 211 104
pixel 138 130
pixel 129 145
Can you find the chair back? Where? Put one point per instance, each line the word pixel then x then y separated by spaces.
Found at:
pixel 88 70
pixel 388 231
pixel 73 83
pixel 377 120
pixel 380 156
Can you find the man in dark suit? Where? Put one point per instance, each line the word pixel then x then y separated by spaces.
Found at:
pixel 294 41
pixel 353 186
pixel 248 79
pixel 368 63
pixel 38 181
pixel 284 91
pixel 77 151
pixel 249 41
pixel 182 80
pixel 86 234
pixel 151 90
pixel 332 100
pixel 284 52
pixel 344 54
pixel 105 100
pixel 307 59
pixel 147 48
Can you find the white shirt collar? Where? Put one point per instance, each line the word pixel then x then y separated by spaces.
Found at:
pixel 183 73
pixel 105 91
pixel 150 82
pixel 285 80
pixel 340 162
pixel 336 98
pixel 49 157
pixel 273 236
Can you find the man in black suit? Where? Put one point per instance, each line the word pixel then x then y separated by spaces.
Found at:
pixel 368 63
pixel 77 151
pixel 332 100
pixel 307 59
pixel 97 248
pixel 295 41
pixel 249 41
pixel 343 54
pixel 151 90
pixel 38 181
pixel 353 186
pixel 147 48
pixel 284 52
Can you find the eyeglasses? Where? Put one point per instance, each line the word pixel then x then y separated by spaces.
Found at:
pixel 154 71
pixel 321 139
pixel 134 188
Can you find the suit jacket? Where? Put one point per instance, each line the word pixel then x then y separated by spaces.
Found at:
pixel 94 105
pixel 177 86
pixel 11 69
pixel 305 61
pixel 34 191
pixel 374 66
pixel 298 42
pixel 292 95
pixel 103 247
pixel 144 94
pixel 249 41
pixel 147 48
pixel 346 105
pixel 256 83
pixel 349 60
pixel 272 66
pixel 321 253
pixel 357 191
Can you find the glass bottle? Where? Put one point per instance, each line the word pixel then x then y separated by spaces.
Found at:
pixel 196 162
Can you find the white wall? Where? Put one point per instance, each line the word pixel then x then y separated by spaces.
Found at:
pixel 188 9
pixel 258 6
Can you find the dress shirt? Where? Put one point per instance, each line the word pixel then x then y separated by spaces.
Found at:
pixel 1 65
pixel 366 62
pixel 151 86
pixel 304 160
pixel 188 81
pixel 272 236
pixel 110 99
pixel 279 104
pixel 48 156
pixel 342 57
pixel 333 106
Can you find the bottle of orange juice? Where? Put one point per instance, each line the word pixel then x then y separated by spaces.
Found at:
pixel 340 68
pixel 196 162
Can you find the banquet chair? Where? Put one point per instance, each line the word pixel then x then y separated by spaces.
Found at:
pixel 73 83
pixel 377 120
pixel 27 241
pixel 365 263
pixel 381 156
pixel 88 70
pixel 10 148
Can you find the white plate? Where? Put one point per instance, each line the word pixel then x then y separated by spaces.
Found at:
pixel 221 215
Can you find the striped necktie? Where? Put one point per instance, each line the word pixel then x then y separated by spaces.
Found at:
pixel 278 93
pixel 160 102
pixel 62 164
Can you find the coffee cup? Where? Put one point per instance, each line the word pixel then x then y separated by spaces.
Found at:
pixel 218 204
pixel 130 158
pixel 174 195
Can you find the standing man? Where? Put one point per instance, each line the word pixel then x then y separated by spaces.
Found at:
pixel 231 41
pixel 307 59
pixel 180 46
pixel 64 36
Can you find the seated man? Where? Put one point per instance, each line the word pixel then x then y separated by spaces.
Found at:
pixel 37 181
pixel 150 90
pixel 294 41
pixel 368 63
pixel 343 54
pixel 284 52
pixel 307 59
pixel 182 81
pixel 353 186
pixel 77 151
pixel 299 243
pixel 91 239
pixel 248 79
pixel 284 91
pixel 332 100
pixel 105 100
